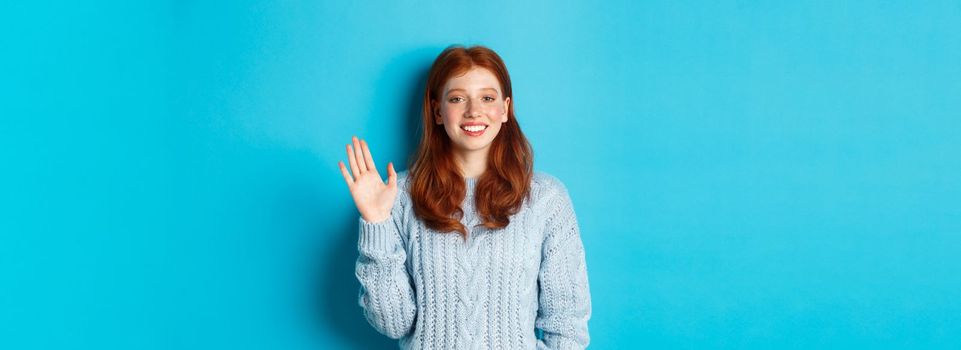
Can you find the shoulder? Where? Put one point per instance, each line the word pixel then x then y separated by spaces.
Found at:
pixel 403 186
pixel 552 203
pixel 545 181
pixel 547 187
pixel 402 177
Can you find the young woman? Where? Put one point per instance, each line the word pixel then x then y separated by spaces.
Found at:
pixel 471 248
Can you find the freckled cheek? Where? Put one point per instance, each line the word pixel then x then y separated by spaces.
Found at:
pixel 448 114
pixel 495 110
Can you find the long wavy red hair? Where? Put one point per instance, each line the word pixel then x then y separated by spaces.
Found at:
pixel 437 187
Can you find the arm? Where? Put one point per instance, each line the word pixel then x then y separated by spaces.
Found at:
pixel 386 294
pixel 564 297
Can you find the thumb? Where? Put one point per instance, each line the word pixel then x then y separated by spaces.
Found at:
pixel 391 175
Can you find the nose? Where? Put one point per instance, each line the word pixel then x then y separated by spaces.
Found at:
pixel 473 110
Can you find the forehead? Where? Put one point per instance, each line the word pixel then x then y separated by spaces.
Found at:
pixel 476 78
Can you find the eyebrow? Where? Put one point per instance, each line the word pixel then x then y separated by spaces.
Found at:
pixel 462 90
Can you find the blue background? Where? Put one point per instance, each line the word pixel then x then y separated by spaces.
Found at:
pixel 747 175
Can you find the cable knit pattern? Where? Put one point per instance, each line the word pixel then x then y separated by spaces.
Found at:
pixel 433 290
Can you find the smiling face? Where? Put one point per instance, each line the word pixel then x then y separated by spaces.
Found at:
pixel 472 109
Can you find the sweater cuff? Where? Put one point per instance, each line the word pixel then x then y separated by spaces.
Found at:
pixel 377 236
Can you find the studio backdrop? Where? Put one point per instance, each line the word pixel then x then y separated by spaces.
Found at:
pixel 746 175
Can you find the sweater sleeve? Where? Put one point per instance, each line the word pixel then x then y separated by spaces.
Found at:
pixel 386 292
pixel 564 297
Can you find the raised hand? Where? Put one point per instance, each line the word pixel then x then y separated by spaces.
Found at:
pixel 373 198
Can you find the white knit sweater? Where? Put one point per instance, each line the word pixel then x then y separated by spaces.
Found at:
pixel 435 291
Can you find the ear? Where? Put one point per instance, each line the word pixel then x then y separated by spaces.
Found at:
pixel 507 108
pixel 436 112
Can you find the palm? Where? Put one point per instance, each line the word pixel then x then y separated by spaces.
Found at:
pixel 372 196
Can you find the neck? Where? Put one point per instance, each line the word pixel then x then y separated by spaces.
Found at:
pixel 473 163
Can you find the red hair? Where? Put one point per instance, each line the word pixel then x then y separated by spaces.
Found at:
pixel 437 187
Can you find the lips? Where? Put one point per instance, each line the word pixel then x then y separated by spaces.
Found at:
pixel 474 129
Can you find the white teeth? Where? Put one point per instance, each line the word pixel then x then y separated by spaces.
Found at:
pixel 474 128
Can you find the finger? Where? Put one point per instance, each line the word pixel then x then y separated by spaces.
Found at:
pixel 368 158
pixel 391 175
pixel 347 178
pixel 361 164
pixel 353 161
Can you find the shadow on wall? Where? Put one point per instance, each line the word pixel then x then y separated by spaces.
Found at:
pixel 338 288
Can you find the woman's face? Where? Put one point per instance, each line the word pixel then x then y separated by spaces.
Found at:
pixel 472 108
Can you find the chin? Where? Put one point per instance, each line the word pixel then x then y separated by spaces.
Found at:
pixel 475 146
